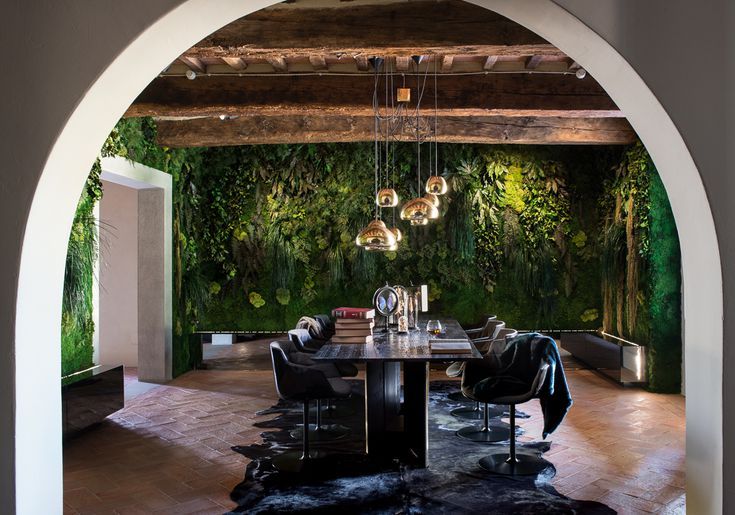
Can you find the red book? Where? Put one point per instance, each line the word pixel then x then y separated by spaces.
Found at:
pixel 353 313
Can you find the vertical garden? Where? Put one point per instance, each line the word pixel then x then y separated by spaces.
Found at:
pixel 548 238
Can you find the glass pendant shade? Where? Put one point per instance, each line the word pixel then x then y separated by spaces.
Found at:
pixel 387 197
pixel 433 199
pixel 419 211
pixel 436 184
pixel 397 232
pixel 376 236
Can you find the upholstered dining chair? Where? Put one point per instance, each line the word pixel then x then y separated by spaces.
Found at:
pixel 523 368
pixel 302 383
pixel 327 325
pixel 484 337
pixel 495 431
pixel 318 431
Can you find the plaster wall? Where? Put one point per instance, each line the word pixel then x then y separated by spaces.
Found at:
pixel 684 51
pixel 119 276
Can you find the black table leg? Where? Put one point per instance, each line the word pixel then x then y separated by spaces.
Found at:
pixel 382 406
pixel 416 410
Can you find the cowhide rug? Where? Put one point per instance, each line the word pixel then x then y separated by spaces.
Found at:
pixel 347 481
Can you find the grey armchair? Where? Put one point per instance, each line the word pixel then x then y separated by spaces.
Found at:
pixel 302 383
pixel 512 373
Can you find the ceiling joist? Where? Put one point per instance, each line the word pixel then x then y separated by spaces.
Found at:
pixel 258 130
pixel 479 95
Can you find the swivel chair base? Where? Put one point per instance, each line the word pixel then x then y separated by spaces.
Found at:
pixel 491 434
pixel 512 464
pixel 475 413
pixel 488 433
pixel 295 461
pixel 524 464
pixel 321 433
pixel 335 410
pixel 457 396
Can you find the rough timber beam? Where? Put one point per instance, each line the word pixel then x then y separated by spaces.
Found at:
pixel 257 130
pixel 478 95
pixel 421 27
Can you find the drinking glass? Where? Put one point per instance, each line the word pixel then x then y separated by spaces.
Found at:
pixel 434 327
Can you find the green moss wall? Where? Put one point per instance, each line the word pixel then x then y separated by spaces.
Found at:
pixel 547 238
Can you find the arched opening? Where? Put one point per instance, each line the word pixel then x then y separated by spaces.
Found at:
pixel 159 44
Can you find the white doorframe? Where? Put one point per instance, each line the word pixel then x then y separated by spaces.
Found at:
pixel 154 364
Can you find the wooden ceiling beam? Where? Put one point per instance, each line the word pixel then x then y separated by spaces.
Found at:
pixel 258 130
pixel 318 62
pixel 533 61
pixel 447 63
pixel 236 63
pixel 402 63
pixel 278 63
pixel 362 63
pixel 507 94
pixel 423 27
pixel 490 62
pixel 194 63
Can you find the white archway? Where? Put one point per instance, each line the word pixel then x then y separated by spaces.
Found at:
pixel 38 310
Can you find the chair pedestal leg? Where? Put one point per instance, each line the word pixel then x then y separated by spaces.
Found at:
pixel 297 461
pixel 487 433
pixel 475 413
pixel 321 432
pixel 305 433
pixel 513 464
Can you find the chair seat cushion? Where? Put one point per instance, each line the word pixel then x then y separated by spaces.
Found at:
pixel 341 387
pixel 346 369
pixel 455 369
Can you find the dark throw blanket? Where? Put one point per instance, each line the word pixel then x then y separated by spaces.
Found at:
pixel 511 372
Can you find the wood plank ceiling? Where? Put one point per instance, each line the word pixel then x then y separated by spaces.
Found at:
pixel 300 72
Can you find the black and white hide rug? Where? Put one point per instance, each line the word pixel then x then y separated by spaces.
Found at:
pixel 347 481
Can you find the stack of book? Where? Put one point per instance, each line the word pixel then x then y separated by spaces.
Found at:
pixel 353 325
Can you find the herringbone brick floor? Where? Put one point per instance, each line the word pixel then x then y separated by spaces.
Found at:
pixel 169 450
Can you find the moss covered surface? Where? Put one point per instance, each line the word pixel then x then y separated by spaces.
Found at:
pixel 264 234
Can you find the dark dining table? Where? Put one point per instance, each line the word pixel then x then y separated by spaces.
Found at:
pixel 396 429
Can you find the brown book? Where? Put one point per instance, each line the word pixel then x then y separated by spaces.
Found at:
pixel 352 339
pixel 366 331
pixel 364 324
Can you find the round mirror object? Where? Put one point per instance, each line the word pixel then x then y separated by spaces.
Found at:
pixel 385 301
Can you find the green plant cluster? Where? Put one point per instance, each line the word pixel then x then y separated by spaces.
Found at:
pixel 77 325
pixel 264 234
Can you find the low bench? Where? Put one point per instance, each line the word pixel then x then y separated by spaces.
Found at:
pixel 616 358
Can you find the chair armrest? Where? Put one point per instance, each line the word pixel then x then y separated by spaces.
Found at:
pixel 310 381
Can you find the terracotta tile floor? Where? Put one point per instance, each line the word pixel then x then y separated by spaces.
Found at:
pixel 169 451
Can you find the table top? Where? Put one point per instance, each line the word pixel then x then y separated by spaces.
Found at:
pixel 413 346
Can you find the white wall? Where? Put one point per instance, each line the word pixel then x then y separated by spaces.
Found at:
pixel 152 284
pixel 118 280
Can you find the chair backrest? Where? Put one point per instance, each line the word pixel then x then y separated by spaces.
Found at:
pixel 325 321
pixel 312 325
pixel 506 333
pixel 505 357
pixel 299 337
pixel 279 360
pixel 491 328
pixel 294 381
